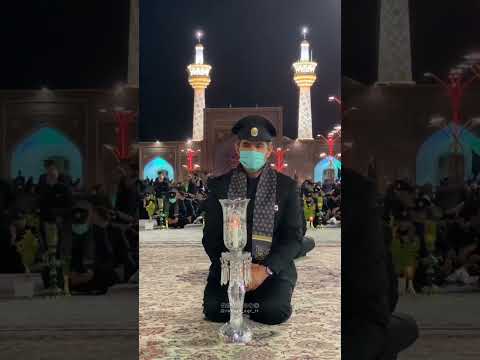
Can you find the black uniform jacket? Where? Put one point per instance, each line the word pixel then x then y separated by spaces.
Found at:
pixel 287 232
pixel 368 289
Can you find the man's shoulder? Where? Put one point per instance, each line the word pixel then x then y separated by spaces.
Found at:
pixel 357 187
pixel 353 176
pixel 216 181
pixel 285 181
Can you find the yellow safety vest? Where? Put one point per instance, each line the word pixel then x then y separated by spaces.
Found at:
pixel 404 255
pixel 430 235
pixel 309 210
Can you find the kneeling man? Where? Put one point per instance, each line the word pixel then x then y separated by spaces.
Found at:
pixel 274 228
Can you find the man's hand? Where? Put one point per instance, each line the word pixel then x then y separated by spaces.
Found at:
pixel 259 274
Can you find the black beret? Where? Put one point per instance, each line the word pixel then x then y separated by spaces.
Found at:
pixel 254 128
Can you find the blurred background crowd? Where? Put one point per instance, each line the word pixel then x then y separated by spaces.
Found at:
pixel 177 204
pixel 81 240
pixel 174 204
pixel 433 234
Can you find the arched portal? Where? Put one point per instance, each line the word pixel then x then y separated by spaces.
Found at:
pixel 327 167
pixel 29 156
pixel 155 165
pixel 437 157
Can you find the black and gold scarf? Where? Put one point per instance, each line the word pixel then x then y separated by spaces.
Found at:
pixel 264 210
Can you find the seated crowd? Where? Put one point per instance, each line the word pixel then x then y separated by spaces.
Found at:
pixel 321 203
pixel 433 234
pixel 174 204
pixel 95 243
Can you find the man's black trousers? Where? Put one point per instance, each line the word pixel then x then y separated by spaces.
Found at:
pixel 369 341
pixel 269 304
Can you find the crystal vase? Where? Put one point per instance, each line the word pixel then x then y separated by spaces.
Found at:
pixel 235 269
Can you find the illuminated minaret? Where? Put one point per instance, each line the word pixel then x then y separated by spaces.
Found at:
pixel 133 50
pixel 394 48
pixel 199 78
pixel 304 77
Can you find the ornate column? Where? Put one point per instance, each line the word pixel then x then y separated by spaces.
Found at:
pixel 133 49
pixel 199 79
pixel 304 76
pixel 394 51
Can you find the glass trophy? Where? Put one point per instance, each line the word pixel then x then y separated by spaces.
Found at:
pixel 235 269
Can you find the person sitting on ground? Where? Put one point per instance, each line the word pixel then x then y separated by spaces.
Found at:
pixel 177 213
pixel 11 232
pixel 405 246
pixel 308 243
pixel 189 209
pixel 201 198
pixel 310 207
pixel 93 259
pixel 150 205
pixel 83 249
pixel 273 244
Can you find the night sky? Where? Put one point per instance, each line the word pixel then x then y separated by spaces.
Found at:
pixel 442 33
pixel 251 46
pixel 63 44
pixel 84 44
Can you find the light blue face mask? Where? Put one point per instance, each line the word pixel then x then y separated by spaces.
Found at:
pixel 80 229
pixel 172 201
pixel 252 160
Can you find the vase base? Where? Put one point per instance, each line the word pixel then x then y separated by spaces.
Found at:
pixel 229 334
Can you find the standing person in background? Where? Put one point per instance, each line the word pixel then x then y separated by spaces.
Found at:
pixel 128 194
pixel 198 182
pixel 55 201
pixel 192 184
pixel 19 181
pixel 162 186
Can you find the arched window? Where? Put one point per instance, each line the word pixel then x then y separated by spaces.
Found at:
pixel 437 158
pixel 326 168
pixel 30 155
pixel 158 164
